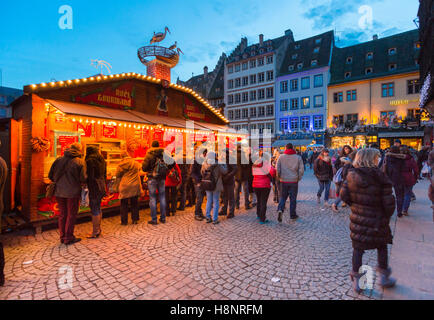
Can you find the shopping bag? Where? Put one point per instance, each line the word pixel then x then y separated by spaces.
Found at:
pixel 332 192
pixel 84 200
pixel 425 169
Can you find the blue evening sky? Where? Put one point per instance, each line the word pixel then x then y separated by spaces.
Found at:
pixel 33 49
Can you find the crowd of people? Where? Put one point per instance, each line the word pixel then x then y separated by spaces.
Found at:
pixel 363 179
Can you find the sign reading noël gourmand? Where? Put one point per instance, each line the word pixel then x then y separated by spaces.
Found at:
pixel 193 112
pixel 119 95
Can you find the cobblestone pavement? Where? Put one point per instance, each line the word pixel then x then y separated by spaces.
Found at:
pixel 187 259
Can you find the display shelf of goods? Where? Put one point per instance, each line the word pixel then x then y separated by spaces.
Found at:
pixel 40 144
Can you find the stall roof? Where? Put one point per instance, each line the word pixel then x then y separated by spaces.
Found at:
pixel 78 109
pixel 295 143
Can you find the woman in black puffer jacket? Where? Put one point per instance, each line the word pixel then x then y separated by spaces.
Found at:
pixel 323 171
pixel 369 193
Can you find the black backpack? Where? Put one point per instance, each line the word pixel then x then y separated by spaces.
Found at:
pixel 208 180
pixel 160 169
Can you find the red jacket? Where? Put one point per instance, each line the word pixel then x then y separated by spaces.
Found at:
pixel 409 171
pixel 261 179
pixel 170 182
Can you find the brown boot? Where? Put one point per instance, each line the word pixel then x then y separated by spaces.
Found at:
pixel 96 224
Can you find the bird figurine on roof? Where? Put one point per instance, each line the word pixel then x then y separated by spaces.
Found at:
pixel 179 51
pixel 160 36
pixel 173 47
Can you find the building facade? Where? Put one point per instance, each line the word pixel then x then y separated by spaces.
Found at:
pixel 7 95
pixel 301 92
pixel 209 85
pixel 374 92
pixel 250 73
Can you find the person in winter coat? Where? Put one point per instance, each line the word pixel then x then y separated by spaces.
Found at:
pixel 96 183
pixel 185 177
pixel 276 183
pixel 323 171
pixel 157 166
pixel 348 164
pixel 342 157
pixel 130 187
pixel 431 187
pixel 410 174
pixel 173 180
pixel 228 195
pixel 69 175
pixel 368 192
pixel 289 171
pixel 196 176
pixel 3 177
pixel 242 178
pixel 212 171
pixel 393 165
pixel 263 175
pixel 422 156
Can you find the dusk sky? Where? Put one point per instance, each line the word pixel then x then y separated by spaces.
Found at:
pixel 33 49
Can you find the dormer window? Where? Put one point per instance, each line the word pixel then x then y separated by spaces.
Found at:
pixel 297 46
pixel 349 60
pixel 314 63
pixel 316 50
pixel 392 67
pixel 300 66
pixel 318 41
pixel 347 75
pixel 369 56
pixel 294 56
pixel 368 71
pixel 392 51
pixel 261 51
pixel 291 68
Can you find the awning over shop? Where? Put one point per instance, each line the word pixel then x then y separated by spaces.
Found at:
pixel 78 109
pixel 404 134
pixel 295 143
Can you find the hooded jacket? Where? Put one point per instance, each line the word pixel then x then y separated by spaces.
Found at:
pixel 71 169
pixel 128 179
pixel 323 169
pixel 394 163
pixel 290 167
pixel 409 171
pixel 96 173
pixel 150 160
pixel 369 193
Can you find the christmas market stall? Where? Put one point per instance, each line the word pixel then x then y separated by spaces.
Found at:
pixel 114 113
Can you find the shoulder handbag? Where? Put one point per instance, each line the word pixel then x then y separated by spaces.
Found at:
pixel 51 188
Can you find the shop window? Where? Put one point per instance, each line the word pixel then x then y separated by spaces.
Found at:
pixel 319 101
pixel 294 104
pixel 318 122
pixel 283 86
pixel 338 97
pixel 305 102
pixel 304 122
pixel 294 85
pixel 351 95
pixel 318 80
pixel 388 90
pixel 284 105
pixel 294 124
pixel 413 86
pixel 305 83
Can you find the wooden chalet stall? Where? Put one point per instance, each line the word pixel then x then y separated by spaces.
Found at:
pixel 115 113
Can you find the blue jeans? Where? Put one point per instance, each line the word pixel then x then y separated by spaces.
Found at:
pixel 324 185
pixel 212 203
pixel 291 190
pixel 408 192
pixel 154 186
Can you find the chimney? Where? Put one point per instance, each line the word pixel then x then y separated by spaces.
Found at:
pixel 375 37
pixel 243 44
pixel 205 72
pixel 261 40
pixel 289 33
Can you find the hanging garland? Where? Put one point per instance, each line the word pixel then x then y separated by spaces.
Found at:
pixel 40 144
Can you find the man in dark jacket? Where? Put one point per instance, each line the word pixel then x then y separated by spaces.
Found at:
pixel 157 165
pixel 242 178
pixel 196 176
pixel 228 194
pixel 185 176
pixel 69 174
pixel 3 177
pixel 393 167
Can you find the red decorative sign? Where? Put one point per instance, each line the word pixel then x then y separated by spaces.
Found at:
pixel 109 131
pixel 159 136
pixel 85 130
pixel 65 142
pixel 120 95
pixel 193 112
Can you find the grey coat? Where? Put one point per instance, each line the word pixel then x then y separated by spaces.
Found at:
pixel 219 170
